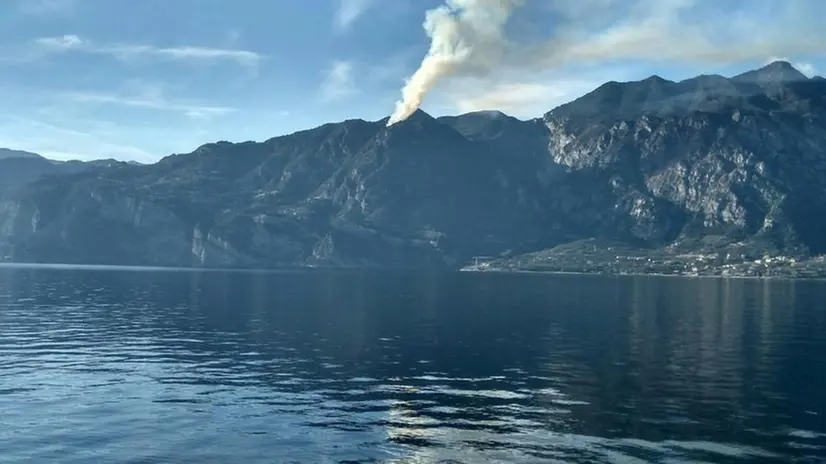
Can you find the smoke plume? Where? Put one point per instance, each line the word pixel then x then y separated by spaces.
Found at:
pixel 465 35
pixel 468 40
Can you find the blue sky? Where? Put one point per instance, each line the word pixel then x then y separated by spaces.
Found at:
pixel 138 80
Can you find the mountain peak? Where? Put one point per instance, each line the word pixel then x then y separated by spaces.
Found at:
pixel 776 72
pixel 779 64
pixel 492 114
pixel 419 125
pixel 419 116
pixel 655 79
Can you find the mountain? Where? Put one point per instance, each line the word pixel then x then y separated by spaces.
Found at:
pixel 8 153
pixel 19 168
pixel 16 171
pixel 742 157
pixel 352 193
pixel 706 164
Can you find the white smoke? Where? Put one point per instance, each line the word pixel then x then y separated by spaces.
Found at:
pixel 466 36
pixel 468 39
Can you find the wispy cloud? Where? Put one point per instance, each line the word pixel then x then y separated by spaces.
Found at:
pixel 63 42
pixel 231 37
pixel 525 96
pixel 339 83
pixel 45 7
pixel 52 140
pixel 806 68
pixel 520 99
pixel 687 31
pixel 152 99
pixel 349 11
pixel 73 43
pixel 471 41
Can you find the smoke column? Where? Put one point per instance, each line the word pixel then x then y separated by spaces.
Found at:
pixel 465 35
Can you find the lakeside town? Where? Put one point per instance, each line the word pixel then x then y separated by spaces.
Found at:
pixel 622 260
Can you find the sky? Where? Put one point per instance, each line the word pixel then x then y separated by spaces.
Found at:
pixel 139 80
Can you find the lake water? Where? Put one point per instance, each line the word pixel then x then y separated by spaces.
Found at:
pixel 222 367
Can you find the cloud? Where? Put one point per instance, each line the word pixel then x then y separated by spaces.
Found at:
pixel 696 31
pixel 339 83
pixel 349 11
pixel 806 68
pixel 64 42
pixel 51 141
pixel 470 38
pixel 514 98
pixel 128 52
pixel 232 36
pixel 152 99
pixel 520 99
pixel 526 95
pixel 45 7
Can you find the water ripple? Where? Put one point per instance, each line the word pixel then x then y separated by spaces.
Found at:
pixel 154 367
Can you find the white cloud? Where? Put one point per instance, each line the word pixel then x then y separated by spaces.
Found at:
pixel 126 52
pixel 64 42
pixel 339 83
pixel 349 11
pixel 698 31
pixel 587 33
pixel 520 99
pixel 51 141
pixel 524 95
pixel 806 68
pixel 150 98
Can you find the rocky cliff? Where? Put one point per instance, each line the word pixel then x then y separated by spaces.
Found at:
pixel 652 164
pixel 741 157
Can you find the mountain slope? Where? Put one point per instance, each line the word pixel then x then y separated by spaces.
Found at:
pixel 18 171
pixel 741 157
pixel 652 164
pixel 19 168
pixel 353 193
pixel 8 153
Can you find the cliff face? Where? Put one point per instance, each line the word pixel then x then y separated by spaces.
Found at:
pixel 742 157
pixel 650 163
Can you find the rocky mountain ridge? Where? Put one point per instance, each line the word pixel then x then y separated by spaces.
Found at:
pixel 710 162
pixel 19 168
pixel 6 153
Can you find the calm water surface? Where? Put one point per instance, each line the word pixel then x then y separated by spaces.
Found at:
pixel 211 367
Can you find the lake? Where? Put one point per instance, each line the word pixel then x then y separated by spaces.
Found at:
pixel 152 366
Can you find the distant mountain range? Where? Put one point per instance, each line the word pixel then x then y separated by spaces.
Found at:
pixel 709 164
pixel 6 153
pixel 19 168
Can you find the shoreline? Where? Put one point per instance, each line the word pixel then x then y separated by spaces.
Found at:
pixel 641 274
pixel 298 269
